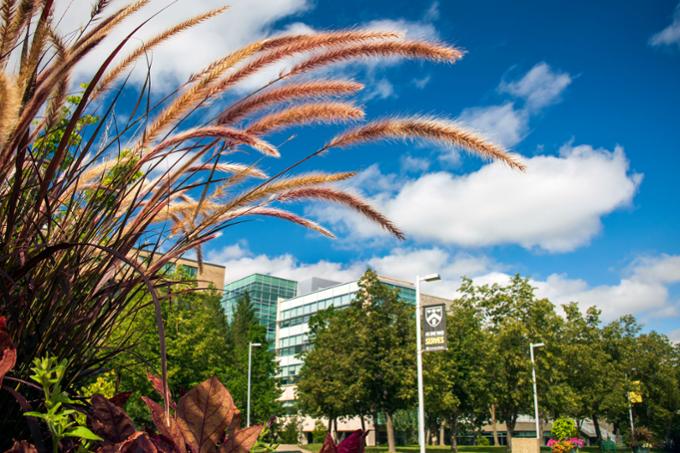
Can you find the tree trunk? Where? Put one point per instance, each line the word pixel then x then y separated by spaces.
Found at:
pixel 330 425
pixel 389 426
pixel 363 423
pixel 376 428
pixel 510 427
pixel 428 436
pixel 494 426
pixel 453 424
pixel 598 431
pixel 442 433
pixel 335 429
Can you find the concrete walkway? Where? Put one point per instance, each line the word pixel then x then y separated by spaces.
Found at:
pixel 291 448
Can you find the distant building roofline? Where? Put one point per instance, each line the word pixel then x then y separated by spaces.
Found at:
pixel 382 278
pixel 204 262
pixel 261 275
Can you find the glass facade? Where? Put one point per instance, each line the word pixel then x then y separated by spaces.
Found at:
pixel 292 345
pixel 301 314
pixel 264 292
pixel 289 373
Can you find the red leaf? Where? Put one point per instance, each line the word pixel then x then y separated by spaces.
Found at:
pixel 157 384
pixel 171 430
pixel 203 413
pixel 120 399
pixel 138 442
pixel 328 445
pixel 241 441
pixel 163 444
pixel 8 353
pixel 22 446
pixel 110 421
pixel 354 443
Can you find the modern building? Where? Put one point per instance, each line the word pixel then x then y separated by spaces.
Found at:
pixel 314 295
pixel 292 334
pixel 264 291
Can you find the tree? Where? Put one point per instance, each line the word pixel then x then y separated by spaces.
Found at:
pixel 243 330
pixel 373 349
pixel 456 385
pixel 330 382
pixel 591 372
pixel 655 366
pixel 386 335
pixel 515 317
pixel 196 330
pixel 200 344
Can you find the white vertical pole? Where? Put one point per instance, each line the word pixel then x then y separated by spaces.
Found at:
pixel 630 414
pixel 419 364
pixel 250 364
pixel 630 405
pixel 533 374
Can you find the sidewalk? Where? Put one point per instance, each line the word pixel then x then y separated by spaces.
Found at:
pixel 291 448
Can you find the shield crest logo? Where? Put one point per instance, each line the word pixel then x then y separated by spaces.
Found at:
pixel 433 316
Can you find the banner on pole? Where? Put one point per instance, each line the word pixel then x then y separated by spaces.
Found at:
pixel 635 393
pixel 434 327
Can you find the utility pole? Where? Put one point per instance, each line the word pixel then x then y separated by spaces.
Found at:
pixel 533 375
pixel 251 345
pixel 419 360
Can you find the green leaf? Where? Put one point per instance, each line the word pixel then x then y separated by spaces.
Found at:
pixel 83 433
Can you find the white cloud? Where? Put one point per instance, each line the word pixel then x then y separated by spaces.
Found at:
pixel 556 205
pixel 244 22
pixel 504 124
pixel 507 124
pixel 643 290
pixel 541 86
pixel 241 262
pixel 400 263
pixel 424 29
pixel 173 61
pixel 670 35
pixel 422 82
pixel 382 89
pixel 432 12
pixel 413 164
pixel 674 335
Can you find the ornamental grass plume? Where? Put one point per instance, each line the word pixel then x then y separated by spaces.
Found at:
pixel 93 206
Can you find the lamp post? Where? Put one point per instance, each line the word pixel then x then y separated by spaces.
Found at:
pixel 251 345
pixel 419 361
pixel 533 375
pixel 630 404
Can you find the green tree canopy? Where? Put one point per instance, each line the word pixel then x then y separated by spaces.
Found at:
pixel 456 381
pixel 265 391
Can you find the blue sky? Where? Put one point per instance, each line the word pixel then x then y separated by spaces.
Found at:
pixel 587 92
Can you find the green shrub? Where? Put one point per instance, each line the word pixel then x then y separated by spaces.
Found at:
pixel 482 441
pixel 564 428
pixel 290 431
pixel 319 433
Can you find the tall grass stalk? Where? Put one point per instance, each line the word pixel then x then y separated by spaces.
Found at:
pixel 86 197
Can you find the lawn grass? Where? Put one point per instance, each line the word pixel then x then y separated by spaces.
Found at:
pixel 314 448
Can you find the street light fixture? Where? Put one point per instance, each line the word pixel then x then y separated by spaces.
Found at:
pixel 533 375
pixel 251 345
pixel 419 361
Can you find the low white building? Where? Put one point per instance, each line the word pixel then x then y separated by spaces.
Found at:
pixel 292 329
